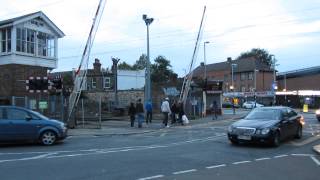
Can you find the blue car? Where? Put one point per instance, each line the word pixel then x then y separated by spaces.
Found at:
pixel 21 124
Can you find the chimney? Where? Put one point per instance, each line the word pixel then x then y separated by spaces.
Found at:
pixel 202 64
pixel 229 59
pixel 97 65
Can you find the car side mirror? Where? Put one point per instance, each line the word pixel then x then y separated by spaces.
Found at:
pixel 28 117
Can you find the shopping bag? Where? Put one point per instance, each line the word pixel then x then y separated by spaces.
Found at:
pixel 185 119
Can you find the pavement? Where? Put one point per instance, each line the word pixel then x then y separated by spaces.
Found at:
pixel 122 127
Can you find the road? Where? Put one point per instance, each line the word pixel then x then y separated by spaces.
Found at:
pixel 201 151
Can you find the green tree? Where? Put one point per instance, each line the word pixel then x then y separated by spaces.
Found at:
pixel 141 63
pixel 161 70
pixel 261 54
pixel 124 66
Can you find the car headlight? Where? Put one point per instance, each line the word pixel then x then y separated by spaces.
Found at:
pixel 265 131
pixel 318 112
pixel 230 129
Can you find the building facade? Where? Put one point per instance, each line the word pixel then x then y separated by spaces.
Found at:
pixel 299 87
pixel 244 79
pixel 28 48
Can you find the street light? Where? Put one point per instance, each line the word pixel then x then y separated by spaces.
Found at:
pixel 147 91
pixel 274 86
pixel 232 85
pixel 255 87
pixel 285 88
pixel 205 59
pixel 232 80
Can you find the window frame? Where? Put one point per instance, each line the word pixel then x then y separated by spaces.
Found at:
pixel 93 83
pixel 5 40
pixel 243 76
pixel 104 83
pixel 250 76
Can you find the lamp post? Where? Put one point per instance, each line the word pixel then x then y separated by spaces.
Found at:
pixel 147 91
pixel 255 87
pixel 205 79
pixel 274 85
pixel 285 88
pixel 205 59
pixel 232 86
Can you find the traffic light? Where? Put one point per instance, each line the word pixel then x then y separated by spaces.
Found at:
pixel 37 84
pixel 57 83
pixel 31 85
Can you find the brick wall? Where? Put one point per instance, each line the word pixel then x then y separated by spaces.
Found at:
pixel 13 77
pixel 307 82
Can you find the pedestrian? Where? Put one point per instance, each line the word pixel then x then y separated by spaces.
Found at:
pixel 140 113
pixel 132 113
pixel 181 112
pixel 148 108
pixel 214 110
pixel 165 109
pixel 174 112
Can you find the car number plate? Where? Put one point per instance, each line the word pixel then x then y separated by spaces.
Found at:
pixel 244 137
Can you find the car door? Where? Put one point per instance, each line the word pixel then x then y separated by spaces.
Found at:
pixel 21 128
pixel 294 121
pixel 4 126
pixel 285 124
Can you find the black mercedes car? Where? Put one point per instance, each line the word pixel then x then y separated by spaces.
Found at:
pixel 267 125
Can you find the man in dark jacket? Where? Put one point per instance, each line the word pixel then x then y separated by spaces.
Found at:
pixel 132 113
pixel 140 113
pixel 174 111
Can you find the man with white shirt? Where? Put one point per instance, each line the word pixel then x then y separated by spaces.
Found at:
pixel 165 109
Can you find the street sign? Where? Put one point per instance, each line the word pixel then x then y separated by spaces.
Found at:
pixel 43 105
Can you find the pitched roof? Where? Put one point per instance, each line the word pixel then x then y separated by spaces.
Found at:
pixel 26 17
pixel 243 65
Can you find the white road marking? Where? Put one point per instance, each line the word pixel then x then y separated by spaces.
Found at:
pixel 152 177
pixel 186 171
pixel 216 166
pixel 280 156
pixel 301 154
pixel 28 158
pixel 315 160
pixel 241 162
pixel 261 159
pixel 58 154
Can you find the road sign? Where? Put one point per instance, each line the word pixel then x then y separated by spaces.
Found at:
pixel 43 105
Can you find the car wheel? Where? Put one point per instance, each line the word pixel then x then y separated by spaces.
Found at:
pixel 299 133
pixel 276 139
pixel 48 138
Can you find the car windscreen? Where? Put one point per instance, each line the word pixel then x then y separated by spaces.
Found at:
pixel 263 114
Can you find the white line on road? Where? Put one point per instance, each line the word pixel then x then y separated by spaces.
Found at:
pixel 301 154
pixel 216 166
pixel 280 156
pixel 261 159
pixel 152 177
pixel 186 171
pixel 315 160
pixel 241 162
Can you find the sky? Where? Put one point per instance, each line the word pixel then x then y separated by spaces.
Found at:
pixel 288 29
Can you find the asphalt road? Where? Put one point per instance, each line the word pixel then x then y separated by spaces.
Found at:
pixel 198 152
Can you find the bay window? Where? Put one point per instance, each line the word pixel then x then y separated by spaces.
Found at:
pixel 35 42
pixel 5 45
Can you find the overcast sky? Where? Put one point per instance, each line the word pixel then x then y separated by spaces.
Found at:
pixel 289 29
